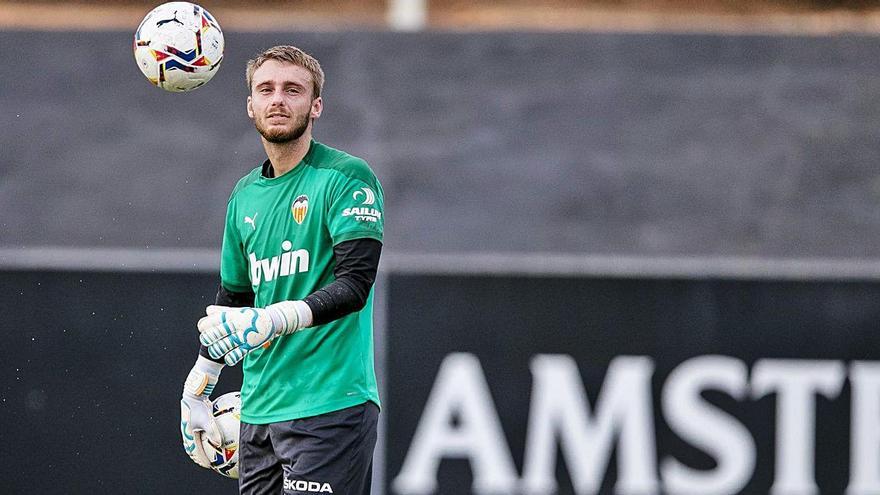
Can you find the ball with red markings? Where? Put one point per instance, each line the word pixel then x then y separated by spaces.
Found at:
pixel 179 46
pixel 226 410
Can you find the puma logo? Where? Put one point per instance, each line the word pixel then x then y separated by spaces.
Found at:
pixel 252 221
pixel 166 21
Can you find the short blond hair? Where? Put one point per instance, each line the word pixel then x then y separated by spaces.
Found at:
pixel 290 54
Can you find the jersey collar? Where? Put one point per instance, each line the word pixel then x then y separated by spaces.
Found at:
pixel 268 174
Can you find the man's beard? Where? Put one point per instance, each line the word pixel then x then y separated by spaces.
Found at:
pixel 280 136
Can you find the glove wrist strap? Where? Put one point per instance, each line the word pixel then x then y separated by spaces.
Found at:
pixel 289 316
pixel 202 378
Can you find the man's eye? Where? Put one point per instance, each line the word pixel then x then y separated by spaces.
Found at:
pixel 265 91
pixel 292 91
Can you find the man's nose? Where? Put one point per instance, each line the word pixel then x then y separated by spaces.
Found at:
pixel 277 98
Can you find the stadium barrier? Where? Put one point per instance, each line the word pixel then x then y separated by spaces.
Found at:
pixel 535 385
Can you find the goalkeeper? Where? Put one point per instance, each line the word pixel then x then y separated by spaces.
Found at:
pixel 301 246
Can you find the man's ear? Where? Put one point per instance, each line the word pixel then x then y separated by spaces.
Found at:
pixel 250 107
pixel 317 107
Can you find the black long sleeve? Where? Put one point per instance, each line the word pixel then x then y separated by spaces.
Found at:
pixel 357 261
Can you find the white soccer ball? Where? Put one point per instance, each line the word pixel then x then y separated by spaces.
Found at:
pixel 179 46
pixel 227 416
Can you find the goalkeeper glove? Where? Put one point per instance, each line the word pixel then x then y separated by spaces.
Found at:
pixel 196 419
pixel 232 333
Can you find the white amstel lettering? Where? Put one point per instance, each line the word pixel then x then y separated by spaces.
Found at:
pixel 363 214
pixel 461 421
pixel 286 264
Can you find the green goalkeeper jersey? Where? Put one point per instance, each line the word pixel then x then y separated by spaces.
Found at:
pixel 278 242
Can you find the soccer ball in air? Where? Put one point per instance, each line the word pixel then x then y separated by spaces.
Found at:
pixel 227 416
pixel 178 46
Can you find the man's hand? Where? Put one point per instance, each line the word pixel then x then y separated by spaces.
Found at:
pixel 196 419
pixel 232 333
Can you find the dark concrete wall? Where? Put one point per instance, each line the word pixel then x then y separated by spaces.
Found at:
pixel 90 391
pixel 571 142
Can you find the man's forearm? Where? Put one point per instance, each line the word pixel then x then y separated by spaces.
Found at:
pixel 357 262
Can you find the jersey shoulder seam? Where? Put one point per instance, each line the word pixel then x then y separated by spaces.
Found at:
pixel 349 166
pixel 244 182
